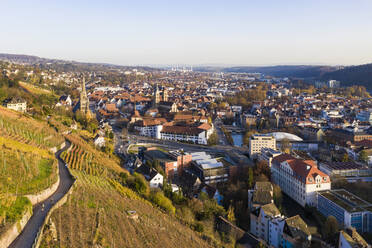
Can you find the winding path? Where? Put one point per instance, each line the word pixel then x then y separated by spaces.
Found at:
pixel 27 237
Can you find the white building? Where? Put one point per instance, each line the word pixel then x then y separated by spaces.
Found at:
pixel 331 114
pixel 275 231
pixel 17 104
pixel 99 141
pixel 64 101
pixel 150 130
pixel 260 219
pixel 333 84
pixel 154 178
pixel 299 179
pixel 185 134
pixel 259 141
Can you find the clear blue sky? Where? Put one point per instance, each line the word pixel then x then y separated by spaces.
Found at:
pixel 240 32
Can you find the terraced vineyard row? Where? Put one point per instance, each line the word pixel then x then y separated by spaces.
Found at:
pixel 25 173
pixel 28 133
pixel 19 138
pixel 84 157
pixel 80 160
pixel 26 164
pixel 97 215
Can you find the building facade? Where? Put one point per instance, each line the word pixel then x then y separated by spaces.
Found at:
pixel 208 169
pixel 348 209
pixel 350 238
pixel 260 220
pixel 17 104
pixel 184 134
pixel 295 233
pixel 259 141
pixel 299 179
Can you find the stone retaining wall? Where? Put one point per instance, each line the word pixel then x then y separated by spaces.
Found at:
pixel 58 204
pixel 229 228
pixel 45 194
pixel 12 233
pixel 56 148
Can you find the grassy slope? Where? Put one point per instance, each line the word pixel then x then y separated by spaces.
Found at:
pixel 96 212
pixel 33 89
pixel 26 164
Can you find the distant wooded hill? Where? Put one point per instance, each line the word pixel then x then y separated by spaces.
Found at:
pixel 353 75
pixel 294 71
pixel 64 65
pixel 348 75
pixel 300 71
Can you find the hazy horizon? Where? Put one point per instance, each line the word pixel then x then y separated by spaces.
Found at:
pixel 238 33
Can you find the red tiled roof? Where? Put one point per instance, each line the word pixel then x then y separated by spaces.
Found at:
pixel 302 169
pixel 138 98
pixel 205 126
pixel 183 117
pixel 111 107
pixel 153 122
pixel 282 157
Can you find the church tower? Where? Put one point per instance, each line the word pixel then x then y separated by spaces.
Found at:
pixel 84 101
pixel 157 95
pixel 165 94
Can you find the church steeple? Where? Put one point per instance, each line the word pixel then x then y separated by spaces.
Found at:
pixel 157 95
pixel 84 100
pixel 165 94
pixel 83 87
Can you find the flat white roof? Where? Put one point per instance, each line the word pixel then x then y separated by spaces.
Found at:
pixel 200 156
pixel 211 165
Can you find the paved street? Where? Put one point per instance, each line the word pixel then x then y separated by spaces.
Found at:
pixel 221 136
pixel 28 235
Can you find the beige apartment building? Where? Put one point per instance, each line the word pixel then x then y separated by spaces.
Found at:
pixel 259 141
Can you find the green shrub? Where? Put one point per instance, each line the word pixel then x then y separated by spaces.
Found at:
pixel 15 211
pixel 198 227
pixel 159 199
pixel 138 183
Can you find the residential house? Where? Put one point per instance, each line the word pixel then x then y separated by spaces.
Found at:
pixel 64 101
pixel 166 161
pixel 99 140
pixel 16 103
pixel 295 233
pixel 154 178
pixel 260 195
pixel 350 238
pixel 260 218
